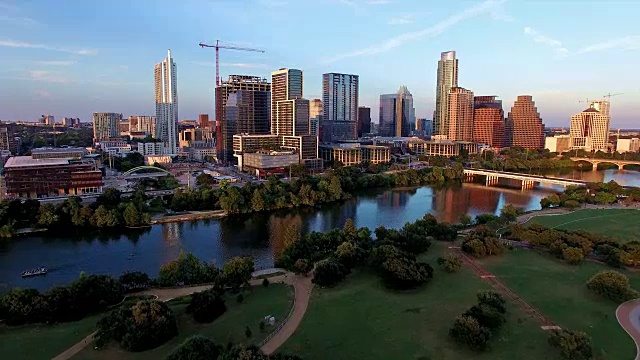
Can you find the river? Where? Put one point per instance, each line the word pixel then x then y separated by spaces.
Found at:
pixel 258 235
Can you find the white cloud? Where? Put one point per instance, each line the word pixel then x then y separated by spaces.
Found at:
pixel 623 43
pixel 43 94
pixel 233 65
pixel 488 6
pixel 273 3
pixel 21 20
pixel 56 62
pixel 401 20
pixel 556 45
pixel 26 45
pixel 48 76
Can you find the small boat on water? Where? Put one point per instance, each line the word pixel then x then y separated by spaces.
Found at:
pixel 34 272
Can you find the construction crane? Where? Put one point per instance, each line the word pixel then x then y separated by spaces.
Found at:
pixel 217 46
pixel 609 95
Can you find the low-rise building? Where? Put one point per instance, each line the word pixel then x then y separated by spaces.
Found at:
pixel 201 154
pixel 376 154
pixel 447 148
pixel 628 145
pixel 347 154
pixel 267 160
pixel 557 143
pixel 58 153
pixel 30 177
pixel 150 148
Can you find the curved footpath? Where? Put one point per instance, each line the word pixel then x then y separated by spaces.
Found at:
pixel 628 315
pixel 302 291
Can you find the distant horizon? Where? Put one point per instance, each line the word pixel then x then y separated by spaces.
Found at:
pixel 505 48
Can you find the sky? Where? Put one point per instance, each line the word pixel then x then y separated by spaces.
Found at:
pixel 73 57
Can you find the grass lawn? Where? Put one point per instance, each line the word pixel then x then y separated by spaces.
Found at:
pixel 43 341
pixel 559 291
pixel 360 319
pixel 622 224
pixel 276 300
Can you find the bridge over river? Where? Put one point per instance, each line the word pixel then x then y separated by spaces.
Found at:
pixel 619 163
pixel 527 181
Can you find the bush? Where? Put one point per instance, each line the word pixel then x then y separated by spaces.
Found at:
pixel 482 242
pixel 206 306
pixel 487 316
pixel 573 345
pixel 405 273
pixel 467 330
pixel 329 272
pixel 451 263
pixel 613 285
pixel 492 299
pixel 571 204
pixel 247 332
pixel 237 271
pixel 144 326
pixel 302 266
pixel 196 347
pixel 572 255
pixel 265 282
pixel 134 280
pixel 240 298
pixel 187 269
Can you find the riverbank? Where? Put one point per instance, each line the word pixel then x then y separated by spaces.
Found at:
pixel 189 216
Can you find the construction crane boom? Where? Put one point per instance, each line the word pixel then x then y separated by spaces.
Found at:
pixel 609 95
pixel 217 46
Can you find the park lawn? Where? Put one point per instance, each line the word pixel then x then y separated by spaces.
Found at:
pixel 259 302
pixel 43 341
pixel 360 319
pixel 558 290
pixel 621 224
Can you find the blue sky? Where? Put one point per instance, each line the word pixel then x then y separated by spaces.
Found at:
pixel 72 57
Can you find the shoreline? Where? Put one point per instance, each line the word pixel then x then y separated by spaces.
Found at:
pixel 524 218
pixel 189 216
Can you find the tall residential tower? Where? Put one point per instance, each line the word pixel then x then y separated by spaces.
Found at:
pixel 340 101
pixel 289 111
pixel 447 78
pixel 460 114
pixel 166 81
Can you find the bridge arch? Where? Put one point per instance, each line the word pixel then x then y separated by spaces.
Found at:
pixel 145 167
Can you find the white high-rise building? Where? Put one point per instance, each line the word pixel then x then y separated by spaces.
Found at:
pixel 340 107
pixel 590 130
pixel 447 79
pixel 166 81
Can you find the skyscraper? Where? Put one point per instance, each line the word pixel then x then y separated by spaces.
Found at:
pixel 387 115
pixel 106 126
pixel 601 105
pixel 315 116
pixel 590 130
pixel 166 81
pixel 524 125
pixel 289 111
pixel 460 114
pixel 225 132
pixel 447 78
pixel 405 112
pixel 488 121
pixel 364 120
pixel 203 121
pixel 340 101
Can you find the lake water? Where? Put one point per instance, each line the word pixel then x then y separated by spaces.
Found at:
pixel 258 235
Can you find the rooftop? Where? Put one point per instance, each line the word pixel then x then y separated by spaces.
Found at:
pixel 57 150
pixel 24 161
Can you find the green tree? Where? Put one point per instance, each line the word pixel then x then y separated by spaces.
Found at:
pixel 134 280
pixel 612 285
pixel 573 345
pixel 302 266
pixel 349 254
pixel 329 272
pixel 257 201
pixel 206 306
pixel 465 219
pixel 349 226
pixel 204 180
pixel 572 255
pixel 247 332
pixel 47 215
pixel 195 347
pixel 451 263
pixel 131 215
pixel 237 271
pixel 467 330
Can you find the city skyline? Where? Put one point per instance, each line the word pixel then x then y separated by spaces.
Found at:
pixel 50 67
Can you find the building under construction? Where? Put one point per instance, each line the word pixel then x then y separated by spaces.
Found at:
pixel 249 111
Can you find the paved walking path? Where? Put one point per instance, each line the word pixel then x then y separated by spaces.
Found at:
pixel 301 285
pixel 628 315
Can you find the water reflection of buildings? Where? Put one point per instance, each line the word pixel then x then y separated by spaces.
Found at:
pixel 172 233
pixel 396 198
